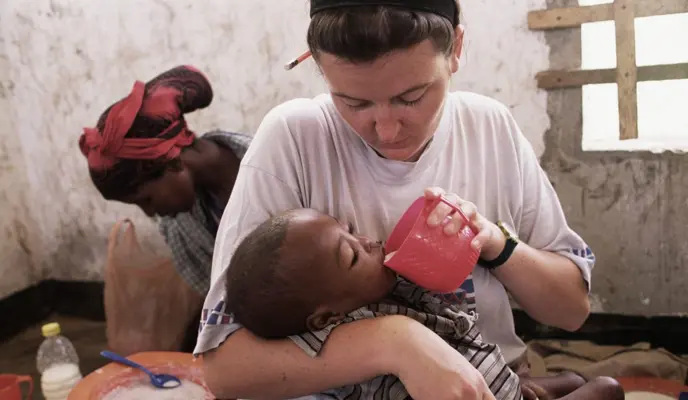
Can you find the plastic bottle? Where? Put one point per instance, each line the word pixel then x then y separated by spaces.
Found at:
pixel 58 364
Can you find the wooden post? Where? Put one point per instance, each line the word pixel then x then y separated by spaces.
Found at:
pixel 626 69
pixel 626 74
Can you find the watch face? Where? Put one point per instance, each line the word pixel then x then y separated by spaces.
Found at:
pixel 508 231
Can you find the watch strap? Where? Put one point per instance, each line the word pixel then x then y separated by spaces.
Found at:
pixel 509 246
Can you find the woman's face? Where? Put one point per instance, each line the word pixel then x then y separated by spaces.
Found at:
pixel 169 195
pixel 395 102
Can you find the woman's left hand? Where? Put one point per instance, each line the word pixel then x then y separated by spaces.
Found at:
pixel 489 239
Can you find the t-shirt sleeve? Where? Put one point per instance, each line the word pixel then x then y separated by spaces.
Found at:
pixel 543 224
pixel 256 197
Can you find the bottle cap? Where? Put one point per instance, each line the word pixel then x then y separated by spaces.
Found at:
pixel 51 329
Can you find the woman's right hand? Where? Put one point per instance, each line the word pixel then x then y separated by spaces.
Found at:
pixel 431 369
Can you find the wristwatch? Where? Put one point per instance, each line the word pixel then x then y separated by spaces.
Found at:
pixel 509 246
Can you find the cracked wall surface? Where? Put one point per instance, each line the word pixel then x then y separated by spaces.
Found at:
pixel 630 207
pixel 62 62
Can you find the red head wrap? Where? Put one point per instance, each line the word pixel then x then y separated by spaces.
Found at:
pixel 104 147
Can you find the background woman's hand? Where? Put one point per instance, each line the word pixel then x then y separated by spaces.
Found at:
pixel 489 239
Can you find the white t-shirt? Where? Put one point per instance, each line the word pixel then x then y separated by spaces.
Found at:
pixel 305 155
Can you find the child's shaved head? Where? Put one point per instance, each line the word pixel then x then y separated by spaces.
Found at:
pixel 300 271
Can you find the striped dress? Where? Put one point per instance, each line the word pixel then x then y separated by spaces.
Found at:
pixel 452 317
pixel 455 324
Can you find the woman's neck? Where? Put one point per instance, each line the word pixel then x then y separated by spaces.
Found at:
pixel 213 167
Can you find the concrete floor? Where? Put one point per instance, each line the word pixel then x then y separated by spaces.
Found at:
pixel 18 356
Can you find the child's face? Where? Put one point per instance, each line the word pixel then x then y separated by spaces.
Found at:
pixel 352 272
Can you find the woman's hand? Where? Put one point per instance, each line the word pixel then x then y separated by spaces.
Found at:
pixel 431 369
pixel 489 239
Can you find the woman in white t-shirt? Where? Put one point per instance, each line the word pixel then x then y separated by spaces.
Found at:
pixel 388 132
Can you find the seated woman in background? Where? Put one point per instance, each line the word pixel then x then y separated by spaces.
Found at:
pixel 141 152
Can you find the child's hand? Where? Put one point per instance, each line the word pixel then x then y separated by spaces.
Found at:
pixel 532 391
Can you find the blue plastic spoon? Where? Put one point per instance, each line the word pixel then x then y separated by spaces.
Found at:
pixel 162 381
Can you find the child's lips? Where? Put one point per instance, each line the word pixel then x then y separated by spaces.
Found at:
pixel 388 256
pixel 385 256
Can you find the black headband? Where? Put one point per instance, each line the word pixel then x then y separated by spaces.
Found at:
pixel 443 8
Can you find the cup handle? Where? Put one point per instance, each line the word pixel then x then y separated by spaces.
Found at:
pixel 26 379
pixel 458 211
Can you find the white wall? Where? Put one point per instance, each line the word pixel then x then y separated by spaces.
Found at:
pixel 16 268
pixel 63 61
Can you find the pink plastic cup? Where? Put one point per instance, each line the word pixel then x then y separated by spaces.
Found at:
pixel 426 255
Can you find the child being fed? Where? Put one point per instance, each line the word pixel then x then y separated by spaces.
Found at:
pixel 305 271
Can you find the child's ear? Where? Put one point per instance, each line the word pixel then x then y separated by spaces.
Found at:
pixel 321 318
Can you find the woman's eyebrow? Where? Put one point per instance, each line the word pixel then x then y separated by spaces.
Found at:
pixel 405 92
pixel 413 89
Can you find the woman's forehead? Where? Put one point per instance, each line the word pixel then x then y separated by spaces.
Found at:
pixel 387 76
